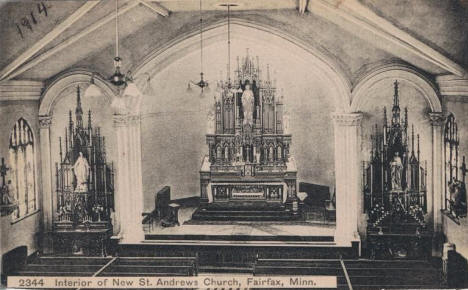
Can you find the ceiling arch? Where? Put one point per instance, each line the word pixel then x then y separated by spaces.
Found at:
pixel 70 78
pixel 395 72
pixel 323 65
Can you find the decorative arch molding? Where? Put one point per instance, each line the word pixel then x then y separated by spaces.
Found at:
pixel 53 91
pixel 395 71
pixel 325 66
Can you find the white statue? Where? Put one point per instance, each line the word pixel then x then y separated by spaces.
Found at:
pixel 248 104
pixel 6 193
pixel 81 170
pixel 257 154
pixel 396 167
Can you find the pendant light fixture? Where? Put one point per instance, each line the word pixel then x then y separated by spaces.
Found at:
pixel 229 5
pixel 117 79
pixel 92 90
pixel 202 84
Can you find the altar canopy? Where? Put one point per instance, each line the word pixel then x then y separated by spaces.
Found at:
pixel 249 161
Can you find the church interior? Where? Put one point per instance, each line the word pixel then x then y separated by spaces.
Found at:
pixel 287 137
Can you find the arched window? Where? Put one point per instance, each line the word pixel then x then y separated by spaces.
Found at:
pixel 23 168
pixel 455 188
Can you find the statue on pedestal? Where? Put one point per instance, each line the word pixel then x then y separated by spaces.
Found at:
pixel 7 198
pixel 81 170
pixel 396 167
pixel 248 104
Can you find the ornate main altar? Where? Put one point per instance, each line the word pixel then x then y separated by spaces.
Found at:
pixel 249 158
pixel 84 188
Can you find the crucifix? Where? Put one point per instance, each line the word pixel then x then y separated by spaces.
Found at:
pixel 3 171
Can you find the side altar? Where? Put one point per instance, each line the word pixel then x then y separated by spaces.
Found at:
pixel 249 161
pixel 84 190
pixel 395 192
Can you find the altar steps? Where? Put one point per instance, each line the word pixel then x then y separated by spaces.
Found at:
pixel 239 213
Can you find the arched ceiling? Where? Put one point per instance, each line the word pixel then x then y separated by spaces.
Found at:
pixel 429 35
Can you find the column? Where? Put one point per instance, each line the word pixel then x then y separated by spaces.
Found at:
pixel 437 188
pixel 136 176
pixel 46 185
pixel 128 180
pixel 347 176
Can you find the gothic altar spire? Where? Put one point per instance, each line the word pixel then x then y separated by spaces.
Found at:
pixel 396 106
pixel 78 110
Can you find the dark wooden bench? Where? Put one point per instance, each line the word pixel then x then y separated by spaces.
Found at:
pixel 120 266
pixel 393 274
pixel 160 266
pixel 291 267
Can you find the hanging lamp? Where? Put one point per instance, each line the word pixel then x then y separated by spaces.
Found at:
pixel 202 84
pixel 117 79
pixel 229 5
pixel 92 90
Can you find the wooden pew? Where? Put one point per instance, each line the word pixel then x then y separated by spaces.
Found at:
pixel 331 267
pixel 393 274
pixel 159 266
pixel 62 266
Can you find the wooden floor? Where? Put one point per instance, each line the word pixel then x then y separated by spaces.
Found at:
pixel 351 274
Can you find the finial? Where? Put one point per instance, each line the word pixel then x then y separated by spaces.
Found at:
pixel 395 96
pixel 89 119
pixel 385 116
pixel 66 142
pixel 418 147
pixel 60 146
pixel 406 117
pixel 268 73
pixel 78 97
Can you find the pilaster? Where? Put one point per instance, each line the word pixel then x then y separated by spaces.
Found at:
pixel 46 186
pixel 128 175
pixel 437 190
pixel 347 175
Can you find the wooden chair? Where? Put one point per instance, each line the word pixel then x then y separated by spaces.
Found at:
pixel 161 202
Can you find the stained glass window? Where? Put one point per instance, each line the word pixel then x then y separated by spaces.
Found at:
pixel 23 168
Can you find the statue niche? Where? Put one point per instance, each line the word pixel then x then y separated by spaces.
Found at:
pixel 248 102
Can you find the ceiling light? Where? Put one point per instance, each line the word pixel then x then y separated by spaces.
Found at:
pixel 92 90
pixel 202 84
